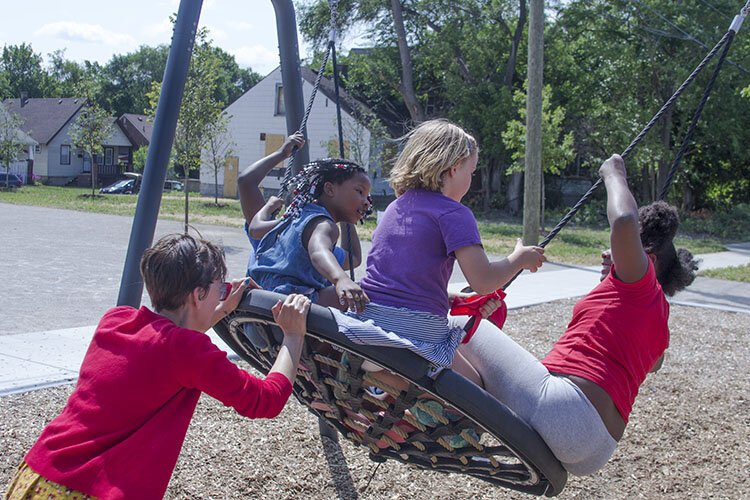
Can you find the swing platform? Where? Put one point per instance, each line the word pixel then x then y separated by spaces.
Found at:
pixel 445 424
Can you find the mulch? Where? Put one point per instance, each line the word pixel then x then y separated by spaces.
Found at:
pixel 688 437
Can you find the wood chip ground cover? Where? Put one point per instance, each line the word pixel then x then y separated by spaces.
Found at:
pixel 688 437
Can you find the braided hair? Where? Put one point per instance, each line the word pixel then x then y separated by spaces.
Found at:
pixel 309 182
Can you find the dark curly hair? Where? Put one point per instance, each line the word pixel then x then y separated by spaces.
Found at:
pixel 675 268
pixel 309 182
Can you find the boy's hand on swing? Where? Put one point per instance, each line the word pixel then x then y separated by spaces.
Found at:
pixel 291 315
pixel 294 141
pixel 235 296
pixel 351 295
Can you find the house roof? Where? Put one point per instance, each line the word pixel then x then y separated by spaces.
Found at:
pixel 137 128
pixel 349 104
pixel 20 134
pixel 43 118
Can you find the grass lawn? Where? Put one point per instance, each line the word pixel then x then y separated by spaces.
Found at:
pixel 574 245
pixel 738 273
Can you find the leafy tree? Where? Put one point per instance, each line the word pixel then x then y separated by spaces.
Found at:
pixel 24 72
pixel 127 79
pixel 91 128
pixel 11 145
pixel 67 77
pixel 557 145
pixel 198 113
pixel 139 159
pixel 219 146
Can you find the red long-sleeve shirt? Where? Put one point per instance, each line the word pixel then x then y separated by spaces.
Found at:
pixel 122 429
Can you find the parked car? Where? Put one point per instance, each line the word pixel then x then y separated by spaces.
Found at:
pixel 173 186
pixel 10 180
pixel 124 186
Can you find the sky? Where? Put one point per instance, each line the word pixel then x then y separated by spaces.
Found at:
pixel 95 30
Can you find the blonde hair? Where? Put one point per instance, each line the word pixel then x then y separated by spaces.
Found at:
pixel 431 149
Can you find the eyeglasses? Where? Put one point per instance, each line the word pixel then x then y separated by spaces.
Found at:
pixel 226 289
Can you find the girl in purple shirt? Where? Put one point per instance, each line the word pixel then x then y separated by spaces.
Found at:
pixel 418 240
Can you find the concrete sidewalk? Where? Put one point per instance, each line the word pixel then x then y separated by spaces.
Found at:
pixel 37 360
pixel 73 281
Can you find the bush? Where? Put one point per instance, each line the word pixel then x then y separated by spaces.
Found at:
pixel 730 224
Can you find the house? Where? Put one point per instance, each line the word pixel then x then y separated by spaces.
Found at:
pixel 137 128
pixel 25 158
pixel 257 127
pixel 56 161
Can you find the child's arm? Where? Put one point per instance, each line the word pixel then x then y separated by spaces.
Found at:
pixel 264 221
pixel 319 237
pixel 356 247
pixel 248 182
pixel 485 276
pixel 631 262
pixel 291 316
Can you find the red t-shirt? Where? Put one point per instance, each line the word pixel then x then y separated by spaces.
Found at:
pixel 122 429
pixel 618 332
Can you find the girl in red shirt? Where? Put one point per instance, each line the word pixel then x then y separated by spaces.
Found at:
pixel 123 426
pixel 579 397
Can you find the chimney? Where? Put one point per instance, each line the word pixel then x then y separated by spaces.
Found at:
pixel 24 98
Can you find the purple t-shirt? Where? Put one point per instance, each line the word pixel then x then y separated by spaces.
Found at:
pixel 412 255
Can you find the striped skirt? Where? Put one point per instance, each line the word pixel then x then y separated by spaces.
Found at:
pixel 425 333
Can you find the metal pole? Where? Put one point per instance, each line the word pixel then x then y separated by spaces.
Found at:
pixel 155 171
pixel 291 75
pixel 294 103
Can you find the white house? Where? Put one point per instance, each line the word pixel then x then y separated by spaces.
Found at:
pixel 257 126
pixel 56 160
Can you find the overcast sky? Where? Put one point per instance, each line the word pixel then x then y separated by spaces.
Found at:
pixel 97 29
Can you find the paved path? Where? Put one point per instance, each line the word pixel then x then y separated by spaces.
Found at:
pixel 63 268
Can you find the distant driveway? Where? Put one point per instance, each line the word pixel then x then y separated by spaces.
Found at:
pixel 62 269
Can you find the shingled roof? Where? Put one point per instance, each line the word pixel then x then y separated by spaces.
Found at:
pixel 137 128
pixel 43 118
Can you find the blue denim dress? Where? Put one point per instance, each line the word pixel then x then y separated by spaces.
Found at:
pixel 282 264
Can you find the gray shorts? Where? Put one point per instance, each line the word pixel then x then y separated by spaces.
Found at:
pixel 554 406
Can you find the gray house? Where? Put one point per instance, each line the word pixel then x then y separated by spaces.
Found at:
pixel 22 166
pixel 56 161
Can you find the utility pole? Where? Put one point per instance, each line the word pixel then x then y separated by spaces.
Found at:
pixel 532 188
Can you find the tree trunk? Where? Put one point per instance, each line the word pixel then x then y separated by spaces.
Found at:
pixel 407 84
pixel 513 203
pixel 665 162
pixel 94 171
pixel 187 197
pixel 533 156
pixel 510 67
pixel 486 187
pixel 688 198
pixel 216 185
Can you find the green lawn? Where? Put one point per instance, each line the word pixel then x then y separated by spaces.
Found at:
pixel 739 273
pixel 574 245
pixel 202 208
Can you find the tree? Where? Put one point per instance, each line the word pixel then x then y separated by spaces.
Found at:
pixel 127 78
pixel 557 145
pixel 24 72
pixel 198 112
pixel 11 143
pixel 91 128
pixel 219 146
